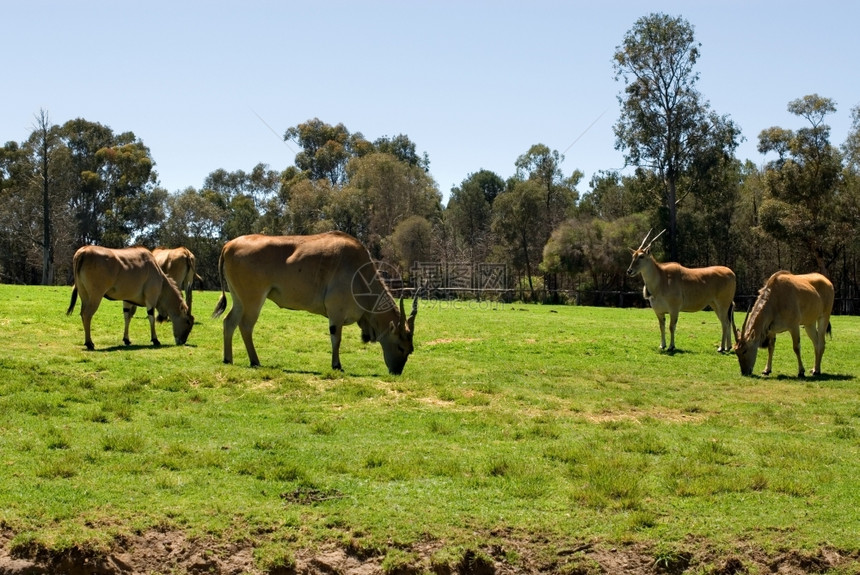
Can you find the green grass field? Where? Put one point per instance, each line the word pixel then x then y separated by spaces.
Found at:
pixel 524 436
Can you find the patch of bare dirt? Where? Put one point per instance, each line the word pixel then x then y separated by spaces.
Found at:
pixel 172 553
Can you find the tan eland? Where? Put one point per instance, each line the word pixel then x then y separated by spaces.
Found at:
pixel 785 303
pixel 179 265
pixel 129 275
pixel 672 288
pixel 327 274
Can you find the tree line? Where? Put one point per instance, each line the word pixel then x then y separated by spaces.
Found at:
pixel 80 183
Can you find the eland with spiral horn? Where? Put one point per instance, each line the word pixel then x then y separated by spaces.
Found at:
pixel 785 303
pixel 328 274
pixel 671 288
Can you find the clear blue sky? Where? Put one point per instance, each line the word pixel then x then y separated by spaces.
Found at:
pixel 209 85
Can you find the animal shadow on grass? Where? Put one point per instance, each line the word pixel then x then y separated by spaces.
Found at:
pixel 676 351
pixel 318 373
pixel 138 346
pixel 810 378
pixel 123 347
pixel 333 373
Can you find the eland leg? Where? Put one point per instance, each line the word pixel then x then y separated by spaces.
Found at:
pixel 150 314
pixel 661 319
pixel 817 337
pixel 771 344
pixel 128 311
pixel 246 328
pixel 725 317
pixel 88 310
pixel 795 344
pixel 335 330
pixel 245 317
pixel 673 321
pixel 86 319
pixel 229 326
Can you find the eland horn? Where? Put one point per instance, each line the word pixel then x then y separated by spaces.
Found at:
pixel 654 240
pixel 645 239
pixel 410 322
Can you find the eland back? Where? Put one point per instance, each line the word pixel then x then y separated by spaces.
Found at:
pixel 328 274
pixel 785 303
pixel 671 288
pixel 132 276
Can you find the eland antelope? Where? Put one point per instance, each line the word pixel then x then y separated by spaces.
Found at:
pixel 179 265
pixel 327 274
pixel 132 276
pixel 785 303
pixel 672 288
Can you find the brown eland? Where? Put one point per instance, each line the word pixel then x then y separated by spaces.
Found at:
pixel 179 265
pixel 785 303
pixel 130 275
pixel 672 288
pixel 328 274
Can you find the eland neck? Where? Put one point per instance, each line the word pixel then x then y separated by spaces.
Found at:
pixel 650 270
pixel 758 320
pixel 170 302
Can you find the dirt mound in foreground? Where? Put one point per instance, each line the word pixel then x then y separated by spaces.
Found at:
pixel 173 553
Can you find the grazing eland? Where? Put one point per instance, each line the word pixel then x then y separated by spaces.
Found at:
pixel 328 274
pixel 179 265
pixel 785 303
pixel 133 276
pixel 671 288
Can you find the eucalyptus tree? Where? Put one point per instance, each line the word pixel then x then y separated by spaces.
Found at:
pixel 46 144
pixel 401 147
pixel 132 202
pixel 18 208
pixel 802 184
pixel 665 123
pixel 517 213
pixel 326 149
pixel 195 219
pixel 470 209
pixel 115 197
pixel 32 200
pixel 84 139
pixel 411 241
pixel 392 191
pixel 850 201
pixel 307 203
pixel 586 249
pixel 851 147
pixel 543 166
pixel 613 196
pixel 261 184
